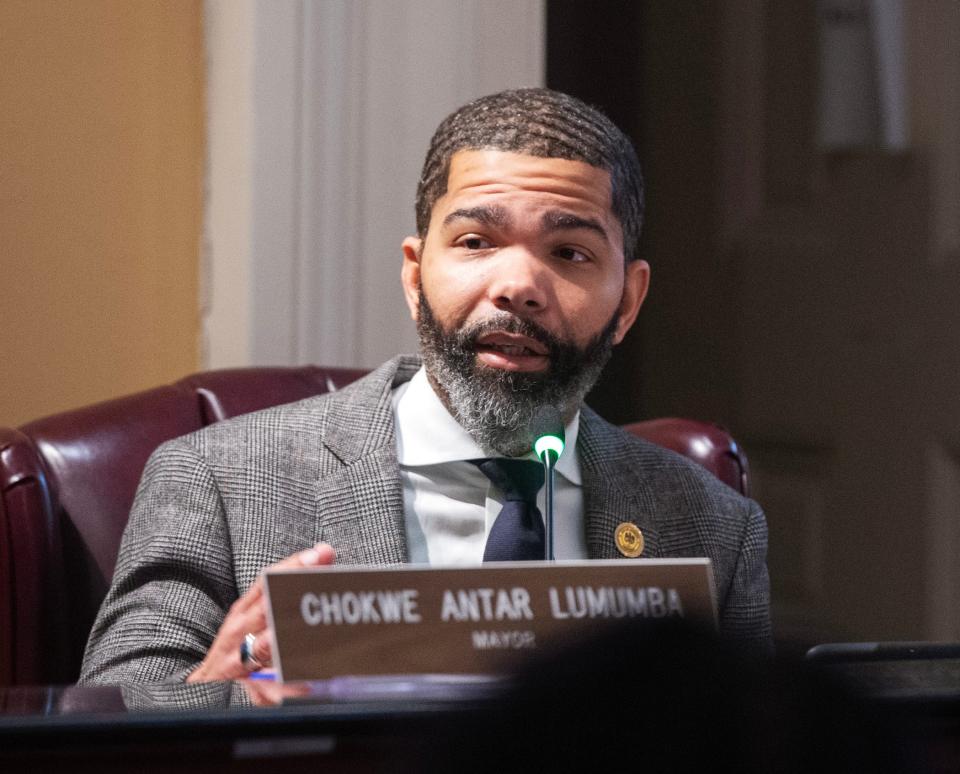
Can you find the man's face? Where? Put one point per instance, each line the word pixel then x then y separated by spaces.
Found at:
pixel 519 289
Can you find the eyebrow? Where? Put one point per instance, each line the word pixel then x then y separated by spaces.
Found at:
pixel 557 220
pixel 553 220
pixel 487 215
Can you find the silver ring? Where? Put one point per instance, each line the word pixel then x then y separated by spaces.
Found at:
pixel 247 659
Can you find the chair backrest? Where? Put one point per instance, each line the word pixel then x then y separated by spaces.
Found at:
pixel 67 483
pixel 703 442
pixel 66 486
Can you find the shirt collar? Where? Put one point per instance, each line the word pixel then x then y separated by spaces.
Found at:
pixel 427 434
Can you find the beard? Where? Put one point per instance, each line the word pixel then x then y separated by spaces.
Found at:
pixel 496 406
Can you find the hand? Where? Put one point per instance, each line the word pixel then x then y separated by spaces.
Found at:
pixel 248 616
pixel 266 693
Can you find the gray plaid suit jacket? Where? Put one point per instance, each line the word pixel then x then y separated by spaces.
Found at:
pixel 216 506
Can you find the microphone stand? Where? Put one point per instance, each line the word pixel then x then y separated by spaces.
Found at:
pixel 548 440
pixel 549 462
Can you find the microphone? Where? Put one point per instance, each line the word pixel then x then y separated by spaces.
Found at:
pixel 546 428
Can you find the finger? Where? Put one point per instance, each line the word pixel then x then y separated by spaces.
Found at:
pixel 249 598
pixel 248 613
pixel 239 622
pixel 241 667
pixel 326 553
pixel 262 650
pixel 262 694
pixel 262 653
pixel 319 554
pixel 250 621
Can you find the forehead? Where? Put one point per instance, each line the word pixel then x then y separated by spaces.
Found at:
pixel 482 174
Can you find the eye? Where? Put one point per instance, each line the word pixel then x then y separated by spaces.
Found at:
pixel 572 254
pixel 473 242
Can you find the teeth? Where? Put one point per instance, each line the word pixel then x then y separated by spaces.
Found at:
pixel 512 349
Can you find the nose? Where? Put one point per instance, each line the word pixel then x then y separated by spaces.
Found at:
pixel 519 283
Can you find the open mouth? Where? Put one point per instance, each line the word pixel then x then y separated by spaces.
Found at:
pixel 512 352
pixel 511 344
pixel 510 349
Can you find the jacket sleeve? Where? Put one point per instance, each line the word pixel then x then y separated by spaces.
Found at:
pixel 745 612
pixel 174 579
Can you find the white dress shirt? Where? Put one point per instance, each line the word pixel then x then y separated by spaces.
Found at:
pixel 449 504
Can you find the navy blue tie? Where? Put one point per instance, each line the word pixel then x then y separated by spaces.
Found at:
pixel 517 533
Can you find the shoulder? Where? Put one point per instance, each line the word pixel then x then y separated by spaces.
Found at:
pixel 691 513
pixel 684 498
pixel 607 446
pixel 298 429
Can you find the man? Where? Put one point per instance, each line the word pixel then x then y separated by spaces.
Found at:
pixel 523 275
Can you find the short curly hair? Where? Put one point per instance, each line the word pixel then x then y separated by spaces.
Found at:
pixel 538 122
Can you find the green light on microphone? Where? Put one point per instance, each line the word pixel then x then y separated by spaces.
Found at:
pixel 547 443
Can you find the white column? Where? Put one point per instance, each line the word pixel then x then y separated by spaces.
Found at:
pixel 344 96
pixel 226 257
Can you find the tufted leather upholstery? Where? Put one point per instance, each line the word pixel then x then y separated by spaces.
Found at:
pixel 67 483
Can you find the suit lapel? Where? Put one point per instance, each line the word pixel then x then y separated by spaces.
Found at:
pixel 359 493
pixel 613 491
pixel 360 511
pixel 359 496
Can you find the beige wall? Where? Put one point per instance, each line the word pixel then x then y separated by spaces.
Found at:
pixel 101 163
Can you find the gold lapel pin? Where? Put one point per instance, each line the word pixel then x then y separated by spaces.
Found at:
pixel 629 539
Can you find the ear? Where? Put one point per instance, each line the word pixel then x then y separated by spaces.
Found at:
pixel 636 282
pixel 410 274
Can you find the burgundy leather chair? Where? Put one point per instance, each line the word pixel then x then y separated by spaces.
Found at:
pixel 706 443
pixel 67 483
